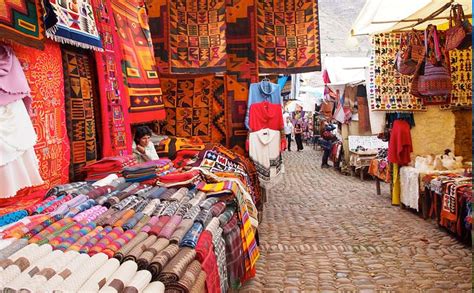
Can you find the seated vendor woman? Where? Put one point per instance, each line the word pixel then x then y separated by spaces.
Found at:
pixel 143 148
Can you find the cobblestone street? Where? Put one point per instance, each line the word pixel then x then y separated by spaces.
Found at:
pixel 325 232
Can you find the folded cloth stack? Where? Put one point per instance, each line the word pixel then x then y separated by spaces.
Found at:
pixel 176 268
pixel 191 238
pixel 147 256
pixel 162 258
pixel 188 279
pixel 124 250
pixel 107 166
pixel 147 170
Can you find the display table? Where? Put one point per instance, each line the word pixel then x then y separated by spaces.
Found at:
pixel 411 185
pixel 361 160
pixel 380 169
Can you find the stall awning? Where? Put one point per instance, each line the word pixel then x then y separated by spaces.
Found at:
pixel 378 16
pixel 346 70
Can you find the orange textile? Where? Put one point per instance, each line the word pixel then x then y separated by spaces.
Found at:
pixel 44 72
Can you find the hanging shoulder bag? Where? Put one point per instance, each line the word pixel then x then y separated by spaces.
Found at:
pixel 435 79
pixel 403 62
pixel 416 48
pixel 459 34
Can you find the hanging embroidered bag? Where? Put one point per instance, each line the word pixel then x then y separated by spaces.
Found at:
pixel 458 36
pixel 436 79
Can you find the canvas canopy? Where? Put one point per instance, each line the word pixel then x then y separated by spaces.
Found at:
pixel 378 16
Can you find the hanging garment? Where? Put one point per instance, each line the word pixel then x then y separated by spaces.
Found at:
pixel 264 150
pixel 260 92
pixel 265 115
pixel 18 162
pixel 363 109
pixel 13 83
pixel 400 145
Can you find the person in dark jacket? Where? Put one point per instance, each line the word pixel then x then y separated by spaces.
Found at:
pixel 327 138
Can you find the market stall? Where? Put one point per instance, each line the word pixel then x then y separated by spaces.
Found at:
pixel 424 116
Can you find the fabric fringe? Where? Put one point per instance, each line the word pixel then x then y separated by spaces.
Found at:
pixel 50 33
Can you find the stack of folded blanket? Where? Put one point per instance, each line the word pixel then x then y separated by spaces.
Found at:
pixel 147 171
pixel 107 166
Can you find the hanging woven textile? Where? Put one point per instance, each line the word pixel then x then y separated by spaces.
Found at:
pixel 194 107
pixel 72 23
pixel 80 92
pixel 241 68
pixel 388 89
pixel 116 138
pixel 145 101
pixel 192 35
pixel 43 70
pixel 21 22
pixel 288 36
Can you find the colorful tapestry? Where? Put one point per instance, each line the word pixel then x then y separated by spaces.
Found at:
pixel 194 107
pixel 197 36
pixel 145 101
pixel 21 21
pixel 43 70
pixel 80 93
pixel 461 78
pixel 116 135
pixel 218 112
pixel 241 68
pixel 288 36
pixel 159 28
pixel 189 36
pixel 71 22
pixel 388 89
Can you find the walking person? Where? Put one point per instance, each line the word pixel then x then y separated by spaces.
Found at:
pixel 288 132
pixel 327 138
pixel 298 136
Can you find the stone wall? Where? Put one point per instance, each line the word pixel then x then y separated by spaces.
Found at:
pixel 434 131
pixel 463 134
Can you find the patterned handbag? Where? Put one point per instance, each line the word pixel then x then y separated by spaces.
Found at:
pixel 403 63
pixel 436 79
pixel 416 47
pixel 459 35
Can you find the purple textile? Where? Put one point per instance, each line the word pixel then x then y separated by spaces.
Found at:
pixel 13 83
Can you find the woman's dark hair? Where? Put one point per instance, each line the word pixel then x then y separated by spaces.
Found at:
pixel 140 132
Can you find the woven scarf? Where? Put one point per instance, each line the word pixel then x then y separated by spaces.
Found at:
pixel 192 236
pixel 124 250
pixel 102 275
pixel 147 256
pixel 162 258
pixel 139 282
pixel 205 255
pixel 176 268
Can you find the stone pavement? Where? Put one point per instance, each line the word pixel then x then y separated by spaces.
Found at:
pixel 326 232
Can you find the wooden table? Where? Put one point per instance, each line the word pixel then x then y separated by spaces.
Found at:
pixel 379 175
pixel 361 160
